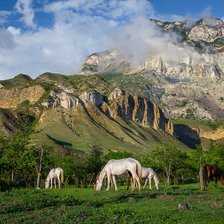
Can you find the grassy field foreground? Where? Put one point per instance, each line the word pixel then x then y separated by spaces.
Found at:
pixel 73 205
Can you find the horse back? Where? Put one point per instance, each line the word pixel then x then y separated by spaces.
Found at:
pixel 212 171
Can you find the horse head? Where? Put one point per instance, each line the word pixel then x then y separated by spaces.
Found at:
pixel 98 184
pixel 46 184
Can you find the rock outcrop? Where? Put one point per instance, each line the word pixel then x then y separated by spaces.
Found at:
pixel 140 111
pixel 129 107
pixel 13 97
pixel 192 69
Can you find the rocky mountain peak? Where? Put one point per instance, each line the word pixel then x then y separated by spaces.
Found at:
pixel 189 69
pixel 207 30
pixel 212 22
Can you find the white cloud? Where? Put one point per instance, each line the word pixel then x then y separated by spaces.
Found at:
pixel 24 7
pixel 3 16
pixel 14 31
pixel 81 27
pixel 6 40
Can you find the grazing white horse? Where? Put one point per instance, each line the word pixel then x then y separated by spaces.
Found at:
pixel 119 167
pixel 148 174
pixel 55 175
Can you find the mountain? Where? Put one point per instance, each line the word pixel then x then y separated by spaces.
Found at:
pixel 76 112
pixel 186 78
pixel 174 96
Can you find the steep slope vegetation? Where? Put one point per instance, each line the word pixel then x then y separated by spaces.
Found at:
pixel 76 112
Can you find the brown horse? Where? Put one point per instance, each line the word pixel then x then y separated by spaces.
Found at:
pixel 212 171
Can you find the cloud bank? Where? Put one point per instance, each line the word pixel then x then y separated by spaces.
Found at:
pixel 80 28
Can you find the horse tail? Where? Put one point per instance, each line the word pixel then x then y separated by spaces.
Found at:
pixel 156 179
pixel 139 169
pixel 62 175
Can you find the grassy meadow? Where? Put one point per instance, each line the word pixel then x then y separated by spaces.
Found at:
pixel 76 205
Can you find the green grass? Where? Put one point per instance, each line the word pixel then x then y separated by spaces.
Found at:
pixel 72 205
pixel 135 84
pixel 204 124
pixel 82 128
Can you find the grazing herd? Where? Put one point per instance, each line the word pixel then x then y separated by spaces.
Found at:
pixel 134 171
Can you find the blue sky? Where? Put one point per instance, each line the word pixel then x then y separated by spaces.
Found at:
pixel 194 8
pixel 56 36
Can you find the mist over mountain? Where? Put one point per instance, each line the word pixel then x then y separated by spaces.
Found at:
pixel 184 71
pixel 133 94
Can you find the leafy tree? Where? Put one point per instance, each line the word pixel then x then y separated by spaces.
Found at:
pixel 95 162
pixel 215 155
pixel 75 168
pixel 33 159
pixel 169 159
pixel 12 148
pixel 117 155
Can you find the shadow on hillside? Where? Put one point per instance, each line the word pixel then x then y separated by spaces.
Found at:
pixel 187 136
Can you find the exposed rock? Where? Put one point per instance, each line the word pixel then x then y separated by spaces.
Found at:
pixel 68 99
pixel 194 70
pixel 65 100
pixel 102 62
pixel 115 94
pixel 13 97
pixel 212 134
pixel 93 97
pixel 207 29
pixel 139 110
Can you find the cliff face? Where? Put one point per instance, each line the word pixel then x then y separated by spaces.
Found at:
pixel 212 134
pixel 139 110
pixel 190 71
pixel 128 107
pixel 13 97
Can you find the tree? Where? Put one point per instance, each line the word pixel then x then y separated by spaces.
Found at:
pixel 12 148
pixel 33 160
pixel 117 155
pixel 94 162
pixel 169 159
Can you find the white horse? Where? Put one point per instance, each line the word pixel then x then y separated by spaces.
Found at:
pixel 148 174
pixel 55 175
pixel 119 167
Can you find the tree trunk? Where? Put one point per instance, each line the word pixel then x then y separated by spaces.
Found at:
pixel 201 175
pixel 38 181
pixel 168 175
pixel 38 169
pixel 12 175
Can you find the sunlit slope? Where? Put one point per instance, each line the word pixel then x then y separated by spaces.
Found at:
pixel 82 127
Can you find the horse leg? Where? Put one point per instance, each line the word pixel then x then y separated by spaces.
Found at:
pixel 129 180
pixel 59 182
pixel 114 180
pixel 150 183
pixel 51 182
pixel 108 182
pixel 145 183
pixel 133 183
pixel 137 179
pixel 55 182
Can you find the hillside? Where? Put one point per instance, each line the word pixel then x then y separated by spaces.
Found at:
pixel 174 96
pixel 76 112
pixel 185 78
